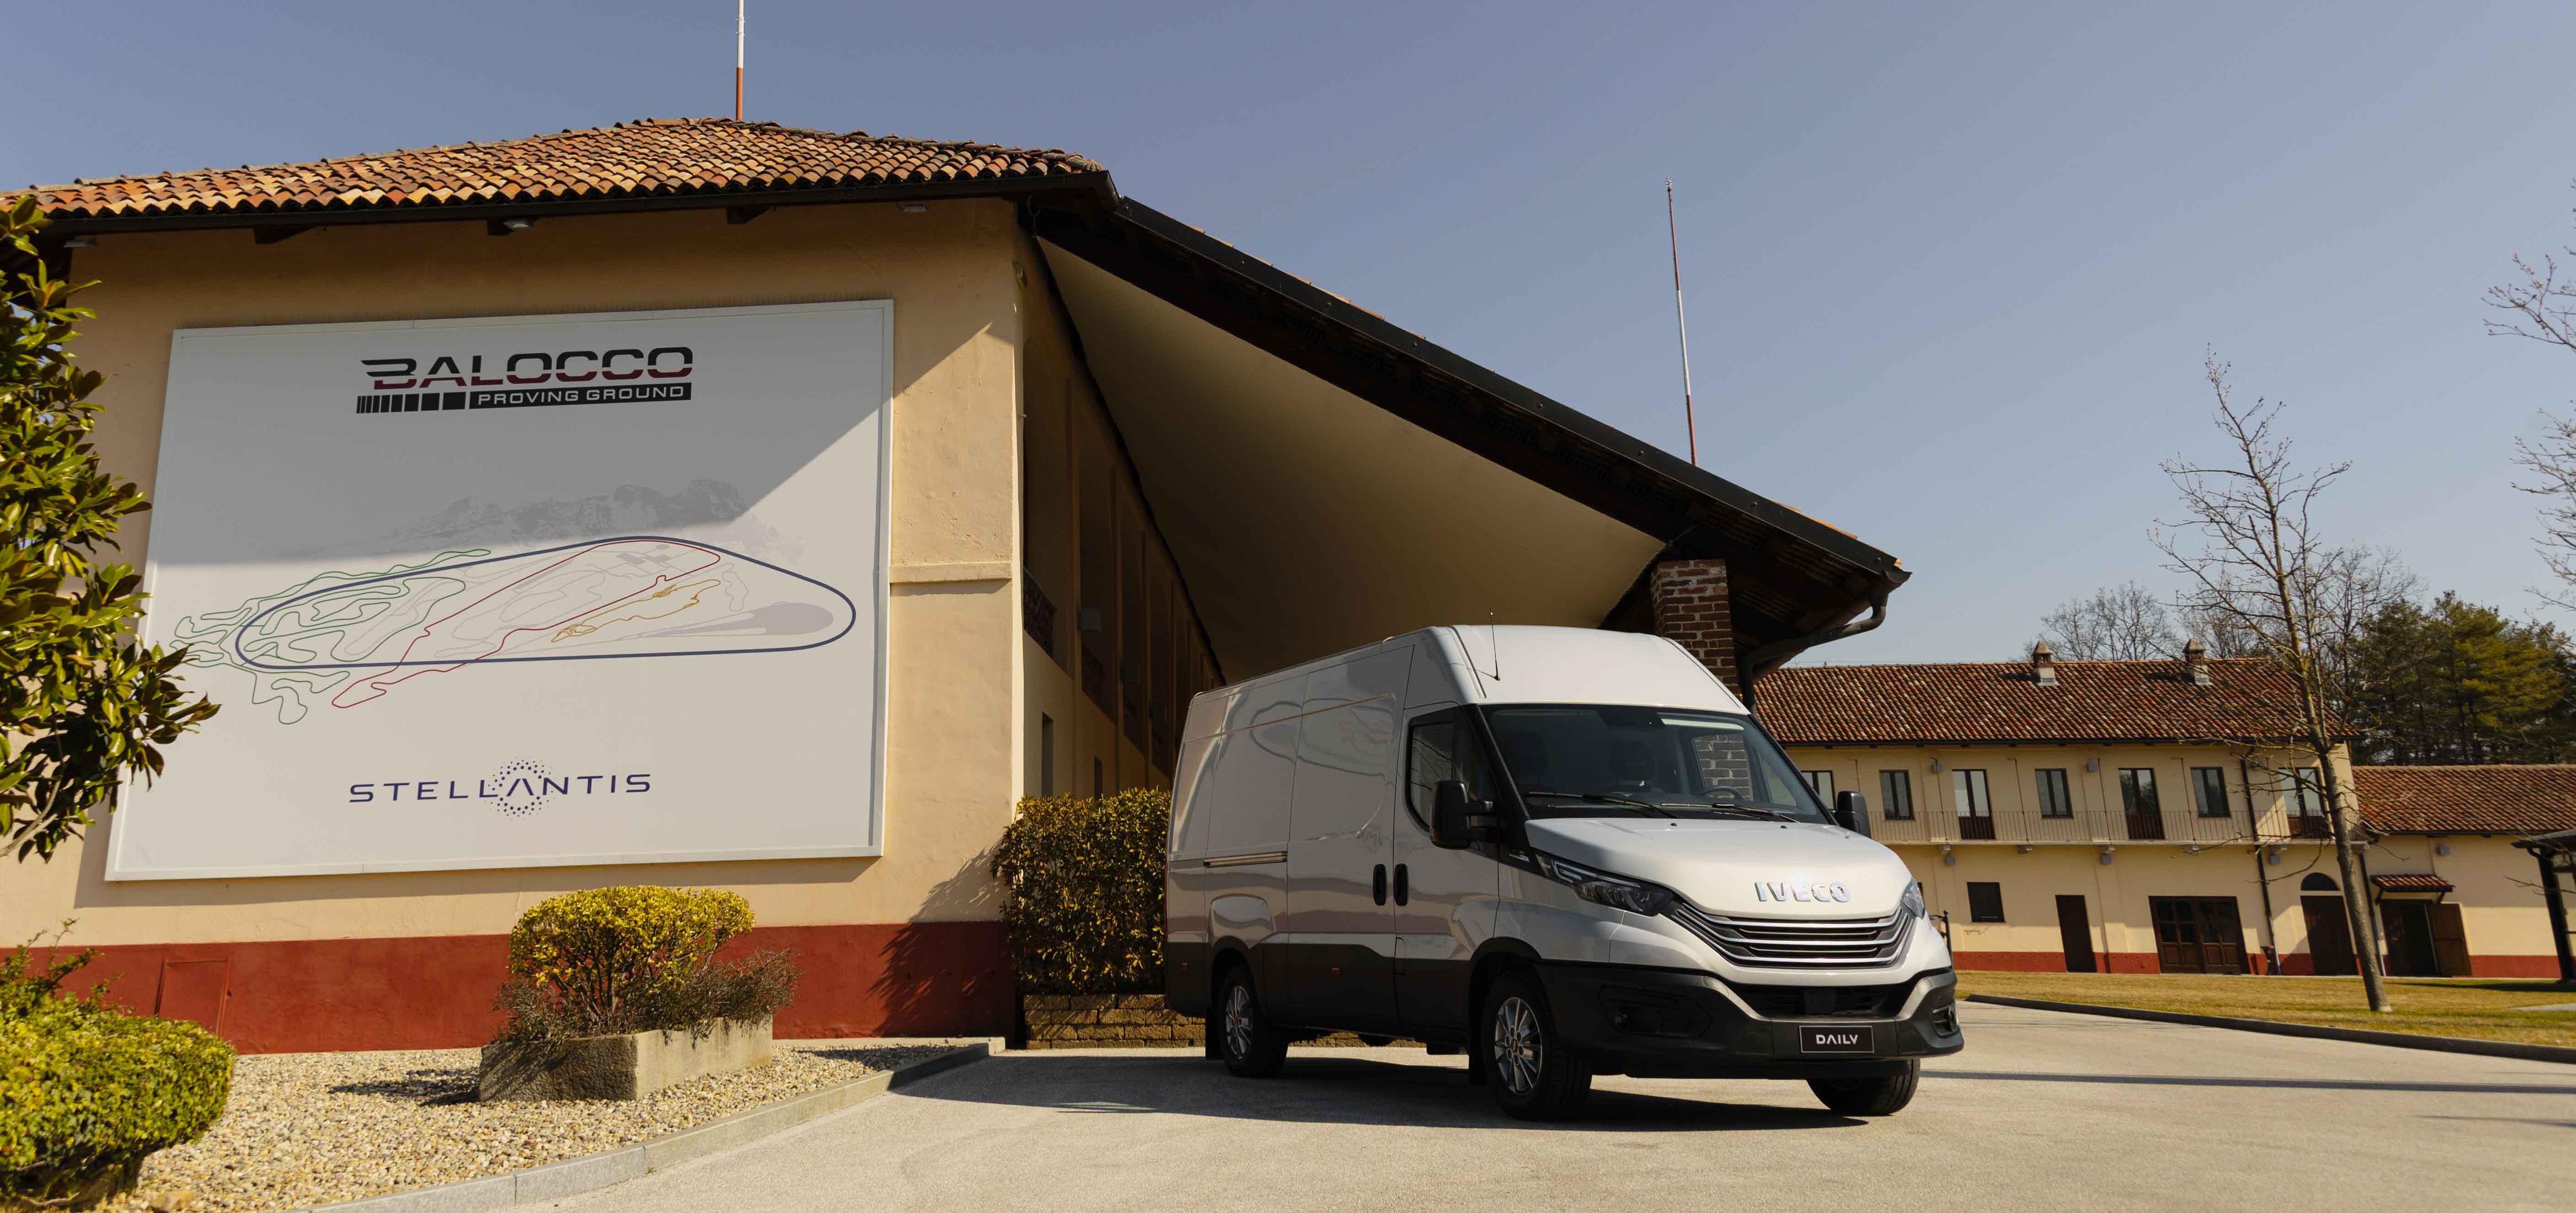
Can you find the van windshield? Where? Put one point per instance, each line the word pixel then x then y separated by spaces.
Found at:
pixel 1589 760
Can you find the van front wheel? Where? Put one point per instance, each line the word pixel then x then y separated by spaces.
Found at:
pixel 1535 1077
pixel 1251 1047
pixel 1883 1095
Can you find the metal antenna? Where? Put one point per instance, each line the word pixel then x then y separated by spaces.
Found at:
pixel 1494 642
pixel 737 73
pixel 1672 227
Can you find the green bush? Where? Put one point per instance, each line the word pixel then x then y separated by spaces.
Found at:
pixel 636 958
pixel 1085 884
pixel 87 1091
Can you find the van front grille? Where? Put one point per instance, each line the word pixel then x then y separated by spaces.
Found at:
pixel 1797 943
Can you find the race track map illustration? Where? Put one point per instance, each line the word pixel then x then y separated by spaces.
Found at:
pixel 346 638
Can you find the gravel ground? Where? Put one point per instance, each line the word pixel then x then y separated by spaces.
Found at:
pixel 311 1128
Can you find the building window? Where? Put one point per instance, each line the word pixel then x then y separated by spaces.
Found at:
pixel 1976 813
pixel 2053 800
pixel 1821 783
pixel 2209 790
pixel 1046 754
pixel 1095 779
pixel 2312 793
pixel 1985 901
pixel 1896 795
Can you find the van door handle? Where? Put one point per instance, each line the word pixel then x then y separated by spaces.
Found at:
pixel 1377 884
pixel 1403 891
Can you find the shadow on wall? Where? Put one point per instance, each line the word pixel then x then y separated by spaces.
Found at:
pixel 939 975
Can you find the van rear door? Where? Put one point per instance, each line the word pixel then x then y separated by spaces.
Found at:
pixel 1339 928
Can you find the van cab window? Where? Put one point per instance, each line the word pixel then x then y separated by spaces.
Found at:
pixel 1443 746
pixel 1589 760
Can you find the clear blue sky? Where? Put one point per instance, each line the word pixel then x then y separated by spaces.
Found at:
pixel 1952 268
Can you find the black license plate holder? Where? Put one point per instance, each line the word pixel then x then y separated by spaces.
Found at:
pixel 1849 1040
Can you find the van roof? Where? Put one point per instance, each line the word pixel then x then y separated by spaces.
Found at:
pixel 1513 663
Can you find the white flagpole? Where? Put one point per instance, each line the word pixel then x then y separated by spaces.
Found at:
pixel 737 59
pixel 1690 421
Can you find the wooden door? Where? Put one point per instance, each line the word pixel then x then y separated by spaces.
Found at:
pixel 2329 936
pixel 2197 934
pixel 2075 932
pixel 2450 940
pixel 2410 938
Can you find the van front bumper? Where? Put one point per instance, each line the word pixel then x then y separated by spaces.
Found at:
pixel 1661 1023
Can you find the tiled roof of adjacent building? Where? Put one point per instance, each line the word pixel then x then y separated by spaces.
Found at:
pixel 2536 799
pixel 2004 701
pixel 660 156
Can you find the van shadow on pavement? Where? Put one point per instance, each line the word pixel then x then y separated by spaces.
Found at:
pixel 1343 1090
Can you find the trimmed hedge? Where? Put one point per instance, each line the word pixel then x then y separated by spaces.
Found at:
pixel 1085 882
pixel 87 1091
pixel 636 958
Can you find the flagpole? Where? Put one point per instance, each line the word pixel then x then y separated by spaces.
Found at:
pixel 1672 227
pixel 737 59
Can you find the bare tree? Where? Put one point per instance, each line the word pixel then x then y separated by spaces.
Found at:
pixel 2125 622
pixel 2541 307
pixel 2253 564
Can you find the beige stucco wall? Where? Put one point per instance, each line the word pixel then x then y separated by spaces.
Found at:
pixel 954 758
pixel 2502 913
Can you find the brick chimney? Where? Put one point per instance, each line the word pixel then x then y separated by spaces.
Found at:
pixel 2195 662
pixel 1692 609
pixel 2043 664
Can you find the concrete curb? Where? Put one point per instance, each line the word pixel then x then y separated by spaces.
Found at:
pixel 560 1179
pixel 2404 1040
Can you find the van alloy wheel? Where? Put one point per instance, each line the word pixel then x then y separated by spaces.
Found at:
pixel 1238 1021
pixel 1519 1050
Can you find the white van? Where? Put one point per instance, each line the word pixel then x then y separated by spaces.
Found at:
pixel 1567 852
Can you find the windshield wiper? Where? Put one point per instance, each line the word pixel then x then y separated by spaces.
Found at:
pixel 1597 798
pixel 1774 814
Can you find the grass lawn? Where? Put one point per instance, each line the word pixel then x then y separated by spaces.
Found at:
pixel 2477 1007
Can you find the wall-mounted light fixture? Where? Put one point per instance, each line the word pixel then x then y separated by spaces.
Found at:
pixel 2023 848
pixel 81 242
pixel 2441 848
pixel 1936 764
pixel 2106 855
pixel 2272 855
pixel 1948 860
pixel 2092 765
pixel 2193 849
pixel 915 208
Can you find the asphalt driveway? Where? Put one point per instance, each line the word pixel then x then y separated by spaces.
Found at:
pixel 2043 1110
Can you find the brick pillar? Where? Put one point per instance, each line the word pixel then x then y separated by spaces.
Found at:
pixel 1691 609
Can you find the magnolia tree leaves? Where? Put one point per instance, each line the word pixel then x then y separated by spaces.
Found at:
pixel 82 705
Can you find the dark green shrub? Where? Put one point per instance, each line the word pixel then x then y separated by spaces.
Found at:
pixel 636 958
pixel 1085 884
pixel 87 1091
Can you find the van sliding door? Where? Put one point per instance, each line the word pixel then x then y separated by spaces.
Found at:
pixel 1339 930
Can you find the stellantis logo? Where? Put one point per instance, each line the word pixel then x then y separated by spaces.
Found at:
pixel 522 786
pixel 1778 890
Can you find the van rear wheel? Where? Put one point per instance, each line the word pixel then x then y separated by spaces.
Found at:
pixel 1878 1095
pixel 1250 1046
pixel 1534 1076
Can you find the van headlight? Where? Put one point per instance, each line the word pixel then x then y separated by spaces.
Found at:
pixel 1617 892
pixel 1912 902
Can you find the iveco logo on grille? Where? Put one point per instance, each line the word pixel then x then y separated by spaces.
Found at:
pixel 1781 890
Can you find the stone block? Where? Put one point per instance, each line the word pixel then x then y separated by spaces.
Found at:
pixel 617 1067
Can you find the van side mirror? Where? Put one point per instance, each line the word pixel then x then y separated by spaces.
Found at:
pixel 1459 821
pixel 1851 812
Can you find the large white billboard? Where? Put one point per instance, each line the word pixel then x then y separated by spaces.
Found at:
pixel 521 591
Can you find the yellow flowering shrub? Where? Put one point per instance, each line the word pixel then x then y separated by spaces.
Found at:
pixel 610 959
pixel 1085 881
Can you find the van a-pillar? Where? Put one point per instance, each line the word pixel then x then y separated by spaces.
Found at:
pixel 1691 610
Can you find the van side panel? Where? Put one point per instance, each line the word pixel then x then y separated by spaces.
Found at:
pixel 1237 835
pixel 1339 930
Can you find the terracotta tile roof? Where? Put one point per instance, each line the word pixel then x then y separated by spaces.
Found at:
pixel 2410 882
pixel 2535 799
pixel 653 157
pixel 2003 702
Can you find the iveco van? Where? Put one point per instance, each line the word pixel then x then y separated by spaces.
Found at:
pixel 1566 852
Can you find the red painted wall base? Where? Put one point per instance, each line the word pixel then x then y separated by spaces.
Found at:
pixel 435 992
pixel 2295 964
